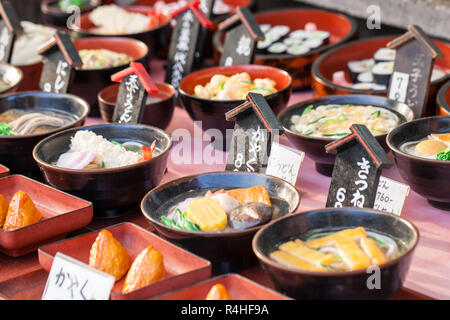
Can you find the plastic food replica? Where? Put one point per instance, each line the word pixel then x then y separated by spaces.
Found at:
pixel 435 146
pixel 20 213
pixel 103 58
pixel 218 292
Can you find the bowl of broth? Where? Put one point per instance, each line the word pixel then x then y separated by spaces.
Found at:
pixel 159 106
pixel 421 151
pixel 337 253
pixel 111 165
pixel 28 117
pixel 215 215
pixel 310 125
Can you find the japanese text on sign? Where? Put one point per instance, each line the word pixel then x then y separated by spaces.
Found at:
pixel 257 137
pixel 61 71
pixel 131 86
pixel 390 196
pixel 284 163
pixel 399 86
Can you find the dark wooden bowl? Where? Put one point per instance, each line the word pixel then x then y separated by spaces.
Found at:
pixel 211 113
pixel 226 250
pixel 158 114
pixel 341 28
pixel 16 77
pixel 314 147
pixel 16 151
pixel 54 16
pixel 336 60
pixel 88 83
pixel 301 284
pixel 114 191
pixel 429 178
pixel 443 100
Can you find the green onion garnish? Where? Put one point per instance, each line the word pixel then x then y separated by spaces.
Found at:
pixel 307 109
pixel 317 120
pixel 222 85
pixel 308 133
pixel 334 134
pixel 103 165
pixel 261 89
pixel 377 113
pixel 6 130
pixel 444 155
pixel 115 142
pixel 378 241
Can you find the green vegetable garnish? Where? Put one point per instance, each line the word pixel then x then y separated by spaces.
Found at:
pixel 308 133
pixel 334 134
pixel 222 85
pixel 6 130
pixel 247 81
pixel 261 89
pixel 377 113
pixel 328 267
pixel 65 4
pixel 103 165
pixel 317 120
pixel 307 109
pixel 168 222
pixel 444 155
pixel 115 142
pixel 337 258
pixel 183 223
pixel 379 242
pixel 319 235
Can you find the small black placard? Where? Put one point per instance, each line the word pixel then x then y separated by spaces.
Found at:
pixel 9 28
pixel 131 101
pixel 239 47
pixel 56 73
pixel 182 48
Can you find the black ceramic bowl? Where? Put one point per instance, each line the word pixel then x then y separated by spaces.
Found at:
pixel 301 284
pixel 114 191
pixel 211 113
pixel 16 151
pixel 226 250
pixel 314 147
pixel 12 77
pixel 429 178
pixel 443 99
pixel 53 15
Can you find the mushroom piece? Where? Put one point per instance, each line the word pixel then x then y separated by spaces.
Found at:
pixel 250 215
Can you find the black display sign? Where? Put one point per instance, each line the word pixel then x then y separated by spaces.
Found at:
pixel 135 83
pixel 357 169
pixel 255 129
pixel 60 58
pixel 9 28
pixel 242 35
pixel 414 60
pixel 207 8
pixel 184 42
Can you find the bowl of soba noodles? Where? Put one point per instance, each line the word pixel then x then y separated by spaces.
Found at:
pixel 337 253
pixel 28 117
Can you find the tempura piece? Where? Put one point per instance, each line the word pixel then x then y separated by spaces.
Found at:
pixel 372 250
pixel 21 212
pixel 3 210
pixel 332 238
pixel 299 250
pixel 253 194
pixel 352 255
pixel 218 292
pixel 291 261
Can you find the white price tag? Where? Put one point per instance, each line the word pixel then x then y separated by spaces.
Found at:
pixel 399 85
pixel 70 279
pixel 284 162
pixel 390 196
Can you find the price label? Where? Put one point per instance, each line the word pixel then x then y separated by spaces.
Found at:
pixel 399 86
pixel 284 162
pixel 70 279
pixel 390 196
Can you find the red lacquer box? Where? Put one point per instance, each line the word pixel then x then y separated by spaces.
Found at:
pixel 61 213
pixel 182 267
pixel 4 171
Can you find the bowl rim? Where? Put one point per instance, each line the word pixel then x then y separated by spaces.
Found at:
pixel 317 76
pixel 102 100
pixel 130 35
pixel 16 69
pixel 242 66
pixel 266 260
pixel 129 42
pixel 353 30
pixel 210 234
pixel 72 97
pixel 440 98
pixel 396 150
pixel 44 164
pixel 343 96
pixel 48 7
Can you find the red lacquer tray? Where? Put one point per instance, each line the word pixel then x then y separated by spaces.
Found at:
pixel 182 267
pixel 4 171
pixel 61 214
pixel 239 288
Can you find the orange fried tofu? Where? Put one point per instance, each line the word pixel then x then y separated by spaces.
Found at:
pixel 147 268
pixel 21 212
pixel 3 210
pixel 218 292
pixel 254 194
pixel 108 255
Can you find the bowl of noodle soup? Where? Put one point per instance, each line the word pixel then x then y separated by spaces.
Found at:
pixel 309 255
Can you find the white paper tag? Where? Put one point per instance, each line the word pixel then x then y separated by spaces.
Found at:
pixel 390 196
pixel 399 85
pixel 284 162
pixel 70 279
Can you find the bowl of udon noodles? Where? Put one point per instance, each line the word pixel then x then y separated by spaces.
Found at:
pixel 310 125
pixel 337 253
pixel 216 214
pixel 421 150
pixel 111 165
pixel 28 117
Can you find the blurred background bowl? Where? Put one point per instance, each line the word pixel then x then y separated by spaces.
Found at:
pixel 443 100
pixel 55 17
pixel 11 76
pixel 302 284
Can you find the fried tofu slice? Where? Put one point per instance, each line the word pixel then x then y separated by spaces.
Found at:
pixel 253 194
pixel 21 212
pixel 299 250
pixel 352 255
pixel 3 210
pixel 218 292
pixel 330 240
pixel 290 261
pixel 207 214
pixel 148 267
pixel 108 255
pixel 371 249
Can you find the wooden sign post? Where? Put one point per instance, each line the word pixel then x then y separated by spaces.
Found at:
pixel 357 169
pixel 414 60
pixel 9 28
pixel 135 83
pixel 243 33
pixel 185 41
pixel 254 131
pixel 60 58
